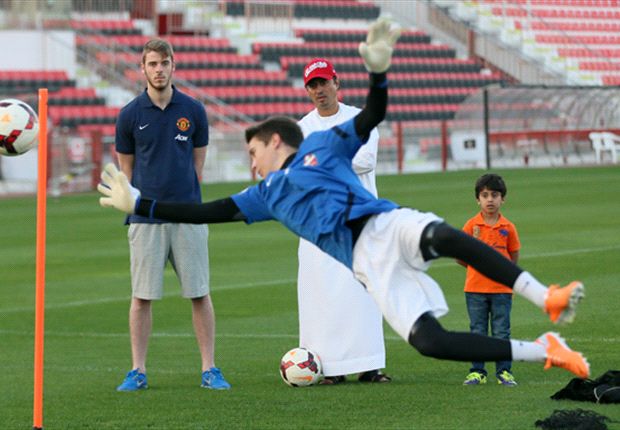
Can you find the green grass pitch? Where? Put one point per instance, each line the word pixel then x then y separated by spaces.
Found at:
pixel 569 223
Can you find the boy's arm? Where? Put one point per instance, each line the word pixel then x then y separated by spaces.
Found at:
pixel 514 256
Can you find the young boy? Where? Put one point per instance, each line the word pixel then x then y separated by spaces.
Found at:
pixel 488 300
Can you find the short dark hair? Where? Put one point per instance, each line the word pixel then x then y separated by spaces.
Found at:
pixel 491 181
pixel 160 46
pixel 286 127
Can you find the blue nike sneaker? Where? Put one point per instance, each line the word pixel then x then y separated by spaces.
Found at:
pixel 134 381
pixel 214 379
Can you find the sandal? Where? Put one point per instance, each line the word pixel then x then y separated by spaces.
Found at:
pixel 374 376
pixel 332 380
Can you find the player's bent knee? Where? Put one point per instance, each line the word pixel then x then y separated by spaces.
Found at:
pixel 440 239
pixel 428 337
pixel 445 237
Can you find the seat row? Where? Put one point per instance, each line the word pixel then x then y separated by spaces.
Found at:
pixel 412 96
pixel 73 116
pixel 599 66
pixel 572 26
pixel 558 13
pixel 258 94
pixel 261 111
pixel 355 35
pixel 223 77
pixel 610 80
pixel 103 26
pixel 554 3
pixel 295 65
pixel 421 80
pixel 49 75
pixel 31 80
pixel 354 96
pixel 234 77
pixel 181 43
pixel 75 96
pixel 188 60
pixel 575 39
pixel 346 9
pixel 271 51
pixel 600 53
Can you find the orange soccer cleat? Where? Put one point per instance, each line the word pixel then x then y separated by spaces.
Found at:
pixel 561 303
pixel 560 355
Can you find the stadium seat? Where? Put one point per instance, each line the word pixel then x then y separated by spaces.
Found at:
pixel 603 142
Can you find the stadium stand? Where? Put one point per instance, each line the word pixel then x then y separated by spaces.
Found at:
pixel 426 74
pixel 577 38
pixel 427 79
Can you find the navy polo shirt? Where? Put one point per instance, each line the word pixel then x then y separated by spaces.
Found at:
pixel 162 142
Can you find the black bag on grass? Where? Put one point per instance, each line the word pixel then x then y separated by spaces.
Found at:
pixel 604 389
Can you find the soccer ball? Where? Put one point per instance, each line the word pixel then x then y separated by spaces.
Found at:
pixel 300 367
pixel 19 127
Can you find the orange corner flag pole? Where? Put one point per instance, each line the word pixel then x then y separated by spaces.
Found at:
pixel 39 326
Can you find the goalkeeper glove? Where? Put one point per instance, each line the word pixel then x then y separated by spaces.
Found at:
pixel 377 50
pixel 119 193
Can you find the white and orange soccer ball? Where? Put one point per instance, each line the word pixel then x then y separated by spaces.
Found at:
pixel 300 367
pixel 19 127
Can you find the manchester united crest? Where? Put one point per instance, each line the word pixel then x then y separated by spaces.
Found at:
pixel 183 124
pixel 476 231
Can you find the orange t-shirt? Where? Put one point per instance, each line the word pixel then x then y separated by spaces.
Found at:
pixel 503 238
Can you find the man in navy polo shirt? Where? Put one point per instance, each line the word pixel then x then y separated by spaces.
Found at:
pixel 161 142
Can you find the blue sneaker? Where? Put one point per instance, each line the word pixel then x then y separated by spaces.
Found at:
pixel 134 381
pixel 214 379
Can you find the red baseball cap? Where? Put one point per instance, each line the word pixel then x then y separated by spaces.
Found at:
pixel 319 68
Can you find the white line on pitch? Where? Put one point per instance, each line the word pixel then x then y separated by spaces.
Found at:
pixel 216 289
pixel 190 335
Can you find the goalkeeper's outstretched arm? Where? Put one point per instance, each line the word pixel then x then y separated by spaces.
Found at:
pixel 216 211
pixel 376 52
pixel 119 194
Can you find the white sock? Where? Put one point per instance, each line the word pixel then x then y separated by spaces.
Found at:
pixel 527 286
pixel 527 351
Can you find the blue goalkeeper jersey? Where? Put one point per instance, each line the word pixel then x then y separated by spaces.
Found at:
pixel 317 193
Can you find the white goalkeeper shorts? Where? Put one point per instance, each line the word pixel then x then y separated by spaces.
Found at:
pixel 184 245
pixel 388 261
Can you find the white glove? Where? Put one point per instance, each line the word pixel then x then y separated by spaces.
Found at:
pixel 115 186
pixel 377 50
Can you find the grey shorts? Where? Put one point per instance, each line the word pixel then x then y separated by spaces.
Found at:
pixel 184 245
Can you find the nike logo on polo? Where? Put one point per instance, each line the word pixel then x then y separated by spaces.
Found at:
pixel 142 127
